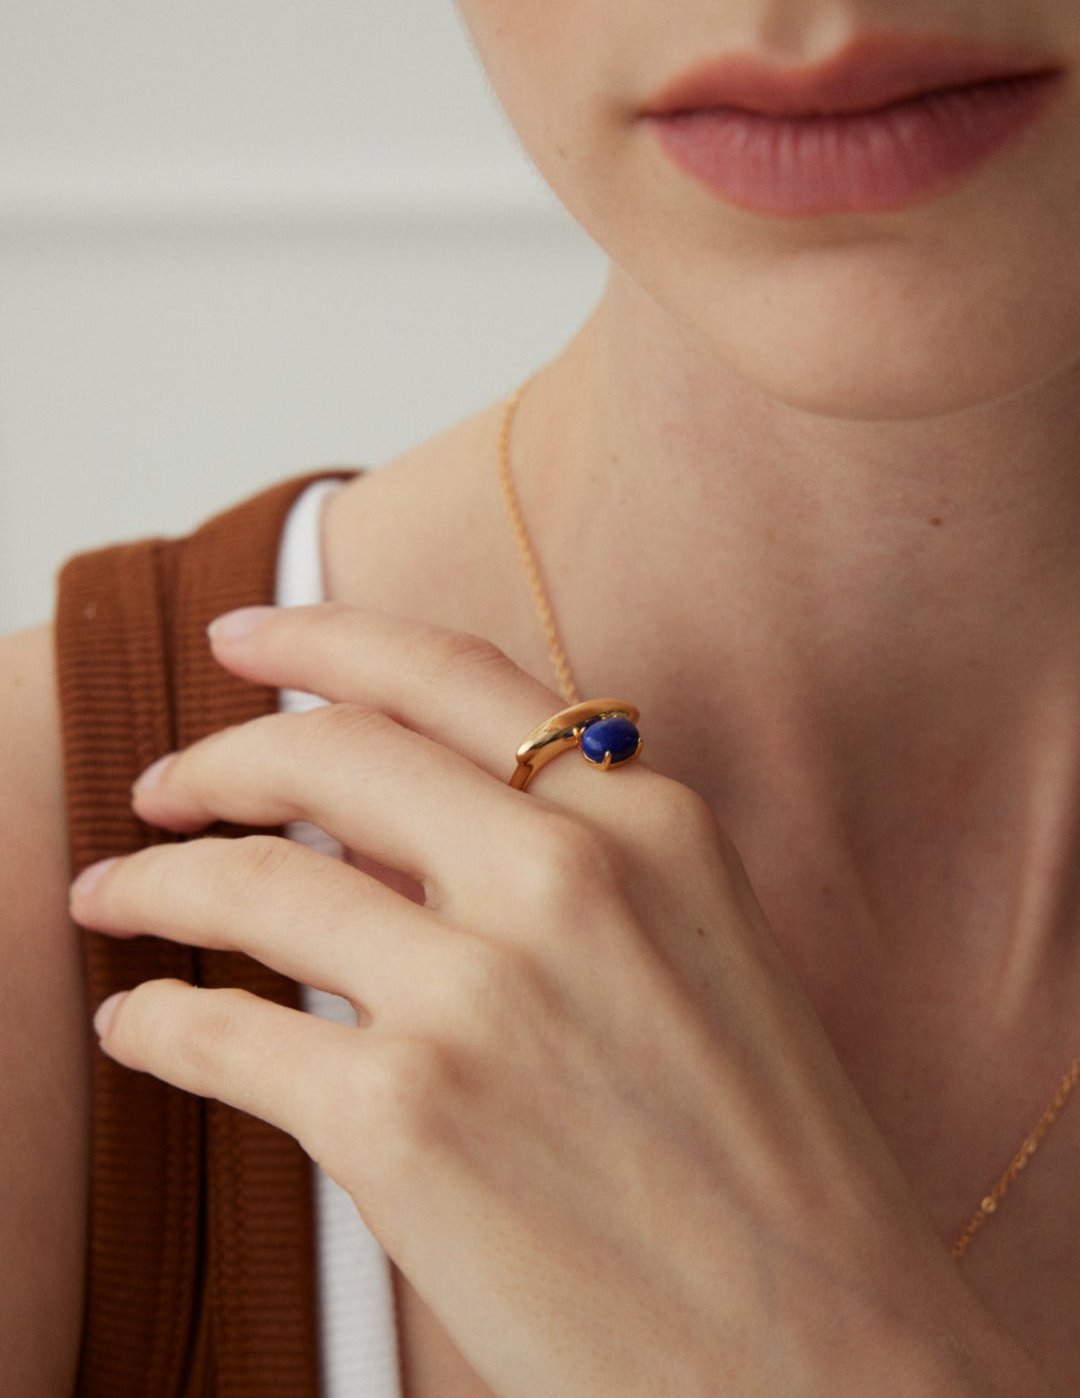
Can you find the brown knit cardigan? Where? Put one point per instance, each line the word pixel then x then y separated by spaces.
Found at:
pixel 200 1279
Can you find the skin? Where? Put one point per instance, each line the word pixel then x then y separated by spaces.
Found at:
pixel 541 1061
pixel 857 436
pixel 44 1045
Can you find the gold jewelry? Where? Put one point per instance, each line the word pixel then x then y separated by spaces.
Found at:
pixel 1019 1160
pixel 604 729
pixel 544 613
pixel 526 766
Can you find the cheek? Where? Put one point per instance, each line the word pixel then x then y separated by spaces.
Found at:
pixel 522 44
pixel 557 78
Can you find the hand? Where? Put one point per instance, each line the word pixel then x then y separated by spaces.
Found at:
pixel 588 1110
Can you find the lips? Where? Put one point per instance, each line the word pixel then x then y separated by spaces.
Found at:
pixel 885 124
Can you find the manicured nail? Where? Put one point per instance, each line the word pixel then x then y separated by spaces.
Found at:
pixel 231 626
pixel 106 1010
pixel 90 875
pixel 149 779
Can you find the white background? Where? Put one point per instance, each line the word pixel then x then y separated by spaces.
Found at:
pixel 239 240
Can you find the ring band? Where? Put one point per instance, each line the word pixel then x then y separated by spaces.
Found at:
pixel 604 729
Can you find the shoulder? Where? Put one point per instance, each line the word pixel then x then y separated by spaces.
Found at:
pixel 422 533
pixel 30 750
pixel 44 1053
pixel 32 809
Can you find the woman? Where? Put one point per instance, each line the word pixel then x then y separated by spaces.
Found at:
pixel 650 1115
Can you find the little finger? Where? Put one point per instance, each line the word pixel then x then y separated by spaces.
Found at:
pixel 286 1067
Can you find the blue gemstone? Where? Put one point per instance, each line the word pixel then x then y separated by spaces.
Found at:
pixel 618 736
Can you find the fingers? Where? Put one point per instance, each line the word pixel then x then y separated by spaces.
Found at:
pixel 459 690
pixel 375 1110
pixel 311 917
pixel 288 1068
pixel 379 788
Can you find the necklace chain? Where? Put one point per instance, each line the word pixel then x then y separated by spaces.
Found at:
pixel 1019 1161
pixel 561 666
pixel 541 603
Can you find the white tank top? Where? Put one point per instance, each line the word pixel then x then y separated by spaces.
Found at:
pixel 357 1326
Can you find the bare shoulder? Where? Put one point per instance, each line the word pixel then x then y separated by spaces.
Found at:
pixel 44 1044
pixel 424 533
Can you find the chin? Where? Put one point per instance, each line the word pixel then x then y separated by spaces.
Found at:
pixel 905 344
pixel 865 383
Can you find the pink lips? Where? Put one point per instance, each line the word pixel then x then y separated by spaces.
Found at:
pixel 886 124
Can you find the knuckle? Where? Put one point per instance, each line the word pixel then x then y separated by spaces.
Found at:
pixel 208 1034
pixel 303 744
pixel 262 858
pixel 566 862
pixel 150 878
pixel 485 972
pixel 491 978
pixel 333 724
pixel 678 814
pixel 189 1028
pixel 409 1086
pixel 682 825
pixel 441 652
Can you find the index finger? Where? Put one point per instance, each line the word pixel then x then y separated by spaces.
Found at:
pixel 456 688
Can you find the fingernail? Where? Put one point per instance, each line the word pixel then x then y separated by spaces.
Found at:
pixel 231 626
pixel 149 779
pixel 106 1010
pixel 90 876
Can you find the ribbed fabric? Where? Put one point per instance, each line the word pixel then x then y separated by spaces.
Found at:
pixel 357 1329
pixel 200 1264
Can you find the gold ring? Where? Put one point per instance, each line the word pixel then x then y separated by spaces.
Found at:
pixel 605 730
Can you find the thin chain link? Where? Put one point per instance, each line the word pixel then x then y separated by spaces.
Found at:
pixel 544 612
pixel 1019 1161
pixel 561 666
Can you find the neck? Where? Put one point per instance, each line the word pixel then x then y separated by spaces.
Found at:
pixel 883 616
pixel 926 544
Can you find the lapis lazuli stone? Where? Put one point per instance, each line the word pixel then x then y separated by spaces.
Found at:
pixel 618 736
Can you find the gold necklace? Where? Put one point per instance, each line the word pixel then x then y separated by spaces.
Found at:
pixel 546 616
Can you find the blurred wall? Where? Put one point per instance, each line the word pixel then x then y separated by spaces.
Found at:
pixel 238 240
